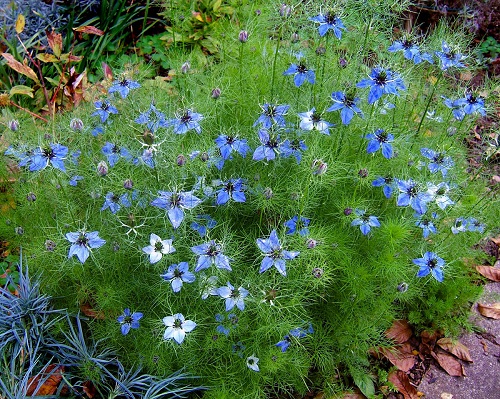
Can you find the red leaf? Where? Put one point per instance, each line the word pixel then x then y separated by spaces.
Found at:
pixel 449 363
pixel 455 348
pixel 91 30
pixel 492 273
pixel 402 383
pixel 401 356
pixel 108 73
pixel 55 42
pixel 50 378
pixel 88 311
pixel 89 389
pixel 400 331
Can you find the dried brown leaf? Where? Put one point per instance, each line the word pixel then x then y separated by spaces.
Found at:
pixel 402 383
pixel 400 331
pixel 55 42
pixel 88 311
pixel 21 68
pixel 354 396
pixel 455 348
pixel 496 240
pixel 401 356
pixel 490 272
pixel 449 363
pixel 108 73
pixel 89 389
pixel 91 30
pixel 492 311
pixel 51 377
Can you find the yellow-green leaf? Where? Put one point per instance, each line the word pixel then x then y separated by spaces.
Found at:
pixel 91 30
pixel 55 42
pixel 217 5
pixel 71 58
pixel 20 89
pixel 44 57
pixel 21 68
pixel 20 23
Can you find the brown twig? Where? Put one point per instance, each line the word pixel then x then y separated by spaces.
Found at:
pixel 29 112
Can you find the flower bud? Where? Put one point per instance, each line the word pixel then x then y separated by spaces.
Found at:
pixel 295 37
pixel 285 10
pixel 181 160
pixel 320 50
pixel 311 243
pixel 76 124
pixel 19 230
pixel 243 36
pixel 319 167
pixel 185 67
pixel 317 272
pixel 204 156
pixel 50 245
pixel 102 168
pixel 403 287
pixel 342 62
pixel 216 93
pixel 31 197
pixel 128 184
pixel 13 125
pixel 347 211
pixel 268 193
pixel 363 173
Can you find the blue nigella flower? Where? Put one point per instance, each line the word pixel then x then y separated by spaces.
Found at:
pixel 461 224
pixel 274 254
pixel 329 21
pixel 311 120
pixel 153 119
pixel 82 243
pixel 178 274
pixel 233 297
pixel 426 224
pixel 364 221
pixel 430 263
pixel 55 154
pixel 296 224
pixel 147 157
pixel 221 328
pixel 382 81
pixel 229 143
pixel 449 58
pixel 74 156
pixel 113 202
pixel 233 188
pixel 113 153
pixel 472 104
pixel 97 130
pixel 158 248
pixel 22 155
pixel 347 104
pixel 189 120
pixel 301 74
pixel 297 333
pixel 410 194
pixel 238 348
pixel 202 228
pixel 177 327
pixel 439 194
pixel 475 225
pixel 410 51
pixel 123 87
pixel 439 162
pixel 380 139
pixel 210 253
pixel 272 114
pixel 269 148
pixel 293 148
pixel 74 180
pixel 208 286
pixel 128 320
pixel 103 109
pixel 387 183
pixel 175 202
pixel 456 106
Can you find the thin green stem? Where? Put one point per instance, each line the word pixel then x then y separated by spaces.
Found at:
pixel 275 59
pixel 431 96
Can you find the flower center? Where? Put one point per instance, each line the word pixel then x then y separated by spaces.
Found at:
pixel 302 68
pixel 270 111
pixel 158 246
pixel 82 240
pixel 432 263
pixel 381 79
pixel 124 83
pixel 177 323
pixel 48 153
pixel 186 118
pixel 330 18
pixel 105 106
pixel 407 44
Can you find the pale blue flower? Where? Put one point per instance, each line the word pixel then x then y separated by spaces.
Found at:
pixel 347 104
pixel 364 221
pixel 272 114
pixel 104 109
pixel 189 120
pixel 82 243
pixel 311 120
pixel 231 189
pixel 301 74
pixel 439 194
pixel 382 81
pixel 430 263
pixel 175 202
pixel 128 320
pixel 55 154
pixel 329 21
pixel 177 327
pixel 158 248
pixel 269 148
pixel 177 274
pixel 210 253
pixel 274 254
pixel 410 194
pixel 232 296
pixel 123 87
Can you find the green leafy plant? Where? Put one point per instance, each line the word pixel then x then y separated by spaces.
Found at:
pixel 489 48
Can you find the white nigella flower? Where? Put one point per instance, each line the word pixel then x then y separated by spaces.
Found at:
pixel 252 363
pixel 177 327
pixel 311 120
pixel 158 248
pixel 439 194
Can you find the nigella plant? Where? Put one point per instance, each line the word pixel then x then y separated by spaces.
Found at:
pixel 177 327
pixel 82 243
pixel 311 120
pixel 293 148
pixel 123 87
pixel 229 143
pixel 274 254
pixel 438 161
pixel 387 183
pixel 231 189
pixel 272 114
pixel 210 253
pixel 410 194
pixel 300 74
pixel 461 224
pixel 187 121
pixel 269 148
pixel 55 154
pixel 426 224
pixel 439 193
pixel 104 109
pixel 364 221
pixel 329 21
pixel 153 119
pixel 297 333
pixel 202 224
pixel 410 51
pixel 129 320
pixel 232 296
pixel 232 320
pixel 430 263
pixel 158 248
pixel 456 107
pixel 382 81
pixel 347 103
pixel 380 139
pixel 298 224
pixel 472 104
pixel 175 202
pixel 114 202
pixel 114 153
pixel 177 274
pixel 449 58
